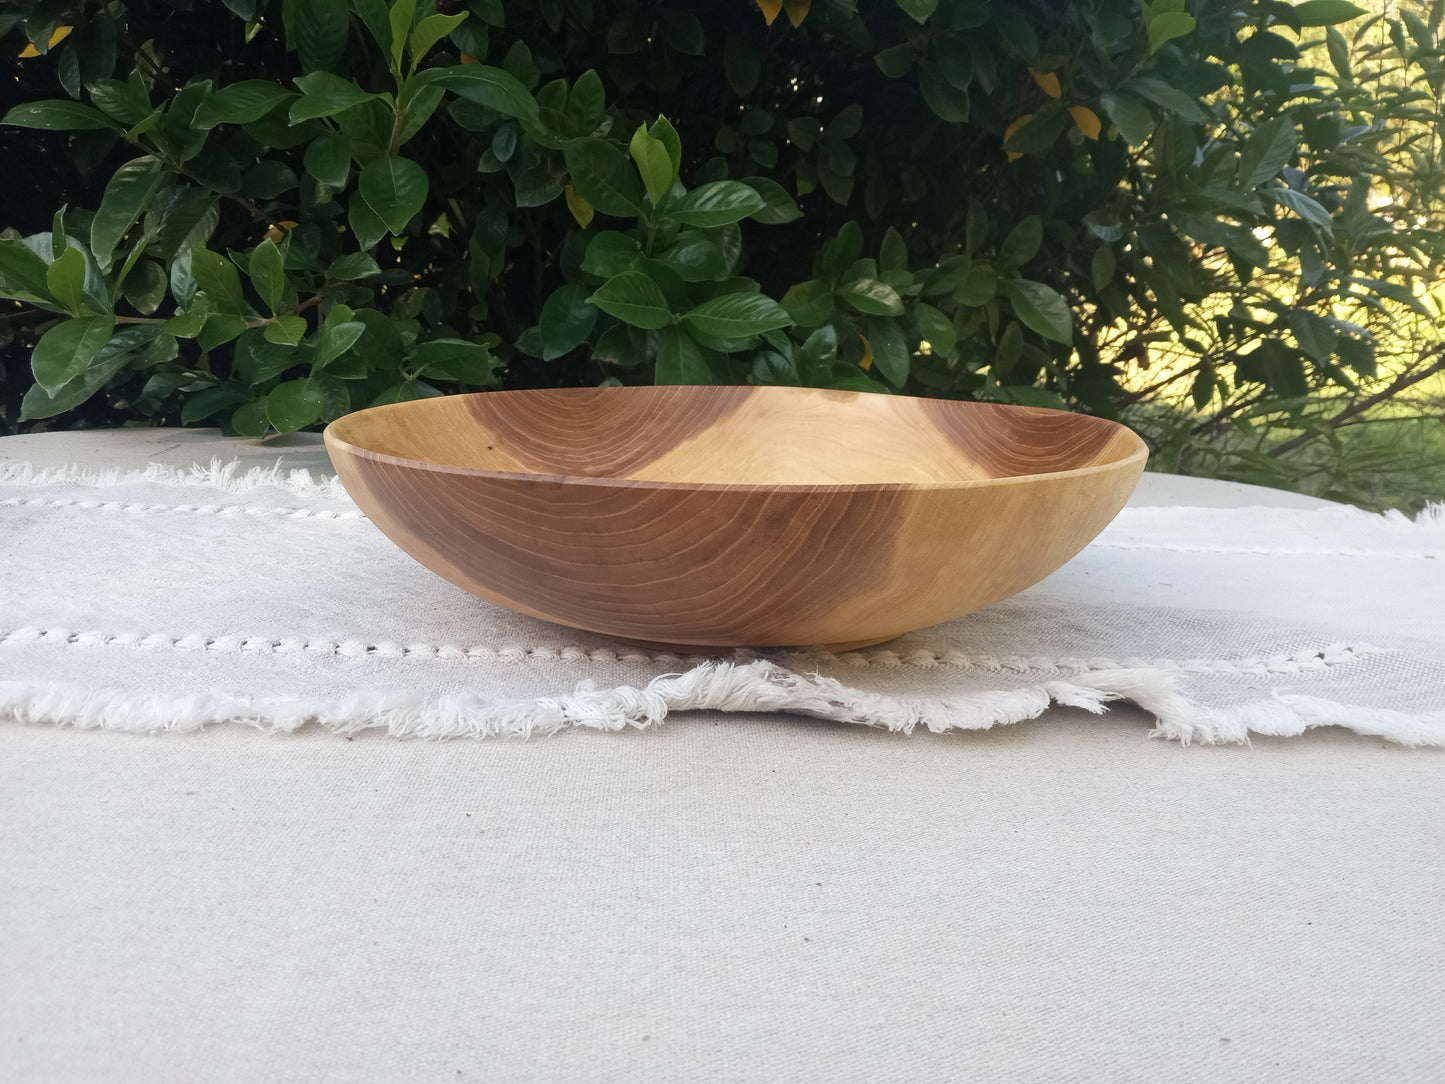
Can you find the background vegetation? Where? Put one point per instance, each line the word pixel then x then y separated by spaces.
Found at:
pixel 1218 220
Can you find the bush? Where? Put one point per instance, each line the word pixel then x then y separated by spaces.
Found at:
pixel 310 206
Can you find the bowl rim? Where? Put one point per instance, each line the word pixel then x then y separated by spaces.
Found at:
pixel 1138 456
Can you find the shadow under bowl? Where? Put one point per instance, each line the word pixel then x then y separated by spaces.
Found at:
pixel 719 517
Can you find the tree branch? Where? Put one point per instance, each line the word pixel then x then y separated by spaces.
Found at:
pixel 1400 383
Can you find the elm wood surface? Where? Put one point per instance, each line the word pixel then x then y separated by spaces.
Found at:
pixel 733 516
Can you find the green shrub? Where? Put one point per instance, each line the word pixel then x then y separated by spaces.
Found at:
pixel 313 205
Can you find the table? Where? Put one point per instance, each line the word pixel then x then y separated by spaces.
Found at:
pixel 730 898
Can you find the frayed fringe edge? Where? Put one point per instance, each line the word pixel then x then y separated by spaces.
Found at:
pixel 228 477
pixel 720 686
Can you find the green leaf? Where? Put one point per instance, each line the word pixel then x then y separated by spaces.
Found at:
pixel 352 266
pixel 210 401
pixel 896 60
pixel 1171 98
pixel 377 18
pixel 778 206
pixel 65 279
pixel 325 95
pixel 120 100
pixel 919 10
pixel 890 351
pixel 1041 309
pixel 1339 51
pixel 567 319
pixel 810 303
pixel 286 330
pixel 127 195
pixel 946 100
pixel 40 403
pixel 1022 243
pixel 220 281
pixel 268 179
pixel 395 189
pixel 365 225
pixel 220 329
pixel 185 218
pixel 250 420
pixel 241 103
pixel 293 405
pixel 64 352
pixel 258 360
pixel 695 258
pixel 1326 12
pixel 1135 123
pixel 491 87
pixel 604 177
pixel 1167 26
pixel 1007 350
pixel 145 286
pixel 188 324
pixel 1269 148
pixel 893 253
pixel 22 271
pixel 268 274
pixel 716 204
pixel 1101 267
pixel 1302 205
pixel 653 163
pixel 978 287
pixel 58 115
pixel 587 100
pixel 317 30
pixel 610 253
pixel 736 316
pixel 337 336
pixel 455 359
pixel 818 354
pixel 328 159
pixel 1201 390
pixel 634 299
pixel 680 360
pixel 403 13
pixel 1316 335
pixel 663 130
pixel 872 296
pixel 430 31
pixel 1017 31
pixel 935 329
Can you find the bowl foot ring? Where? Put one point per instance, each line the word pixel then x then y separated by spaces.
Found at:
pixel 711 649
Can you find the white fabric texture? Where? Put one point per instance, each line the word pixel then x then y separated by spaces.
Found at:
pixel 167 600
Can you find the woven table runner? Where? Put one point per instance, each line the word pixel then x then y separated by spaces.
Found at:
pixel 167 600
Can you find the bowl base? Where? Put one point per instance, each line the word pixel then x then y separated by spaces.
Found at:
pixel 709 649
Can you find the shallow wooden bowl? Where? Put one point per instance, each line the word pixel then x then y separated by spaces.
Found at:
pixel 730 516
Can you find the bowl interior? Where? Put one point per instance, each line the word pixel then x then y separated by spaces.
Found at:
pixel 737 436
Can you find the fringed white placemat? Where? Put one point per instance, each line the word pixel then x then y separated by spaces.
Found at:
pixel 170 600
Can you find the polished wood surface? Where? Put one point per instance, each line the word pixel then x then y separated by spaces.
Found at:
pixel 733 516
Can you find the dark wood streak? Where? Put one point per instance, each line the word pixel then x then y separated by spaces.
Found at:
pixel 1011 442
pixel 593 433
pixel 746 566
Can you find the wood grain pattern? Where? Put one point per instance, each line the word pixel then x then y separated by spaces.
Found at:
pixel 720 517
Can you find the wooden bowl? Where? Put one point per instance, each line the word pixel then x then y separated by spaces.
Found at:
pixel 731 516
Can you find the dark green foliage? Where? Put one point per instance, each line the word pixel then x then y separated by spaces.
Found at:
pixel 1003 199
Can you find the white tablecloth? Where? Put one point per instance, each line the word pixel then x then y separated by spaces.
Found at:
pixel 740 898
